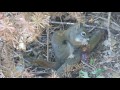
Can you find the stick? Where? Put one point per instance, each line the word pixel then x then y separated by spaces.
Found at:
pixel 55 22
pixel 108 29
pixel 68 23
pixel 92 67
pixel 47 44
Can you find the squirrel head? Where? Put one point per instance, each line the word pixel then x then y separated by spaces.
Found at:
pixel 82 38
pixel 79 36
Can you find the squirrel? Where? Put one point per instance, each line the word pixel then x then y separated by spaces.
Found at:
pixel 64 44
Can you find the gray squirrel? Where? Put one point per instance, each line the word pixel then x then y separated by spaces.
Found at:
pixel 65 42
pixel 69 43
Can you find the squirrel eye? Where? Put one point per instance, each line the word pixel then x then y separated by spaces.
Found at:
pixel 83 33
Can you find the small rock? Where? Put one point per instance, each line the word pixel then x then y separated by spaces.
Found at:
pixel 117 65
pixel 20 68
pixel 106 43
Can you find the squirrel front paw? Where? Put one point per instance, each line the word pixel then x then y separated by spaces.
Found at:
pixel 71 56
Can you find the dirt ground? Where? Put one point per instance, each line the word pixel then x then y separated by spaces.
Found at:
pixel 26 36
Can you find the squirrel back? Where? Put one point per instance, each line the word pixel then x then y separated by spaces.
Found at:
pixel 59 45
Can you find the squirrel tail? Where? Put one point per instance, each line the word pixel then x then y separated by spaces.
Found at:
pixel 43 63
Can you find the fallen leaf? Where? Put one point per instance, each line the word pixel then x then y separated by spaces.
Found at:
pixel 83 74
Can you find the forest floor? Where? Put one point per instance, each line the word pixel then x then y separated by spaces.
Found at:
pixel 26 36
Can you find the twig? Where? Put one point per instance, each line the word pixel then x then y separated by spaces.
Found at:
pixel 92 67
pixel 85 25
pixel 55 22
pixel 47 44
pixel 93 28
pixel 108 28
pixel 41 43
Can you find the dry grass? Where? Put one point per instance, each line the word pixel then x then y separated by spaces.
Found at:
pixel 17 33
